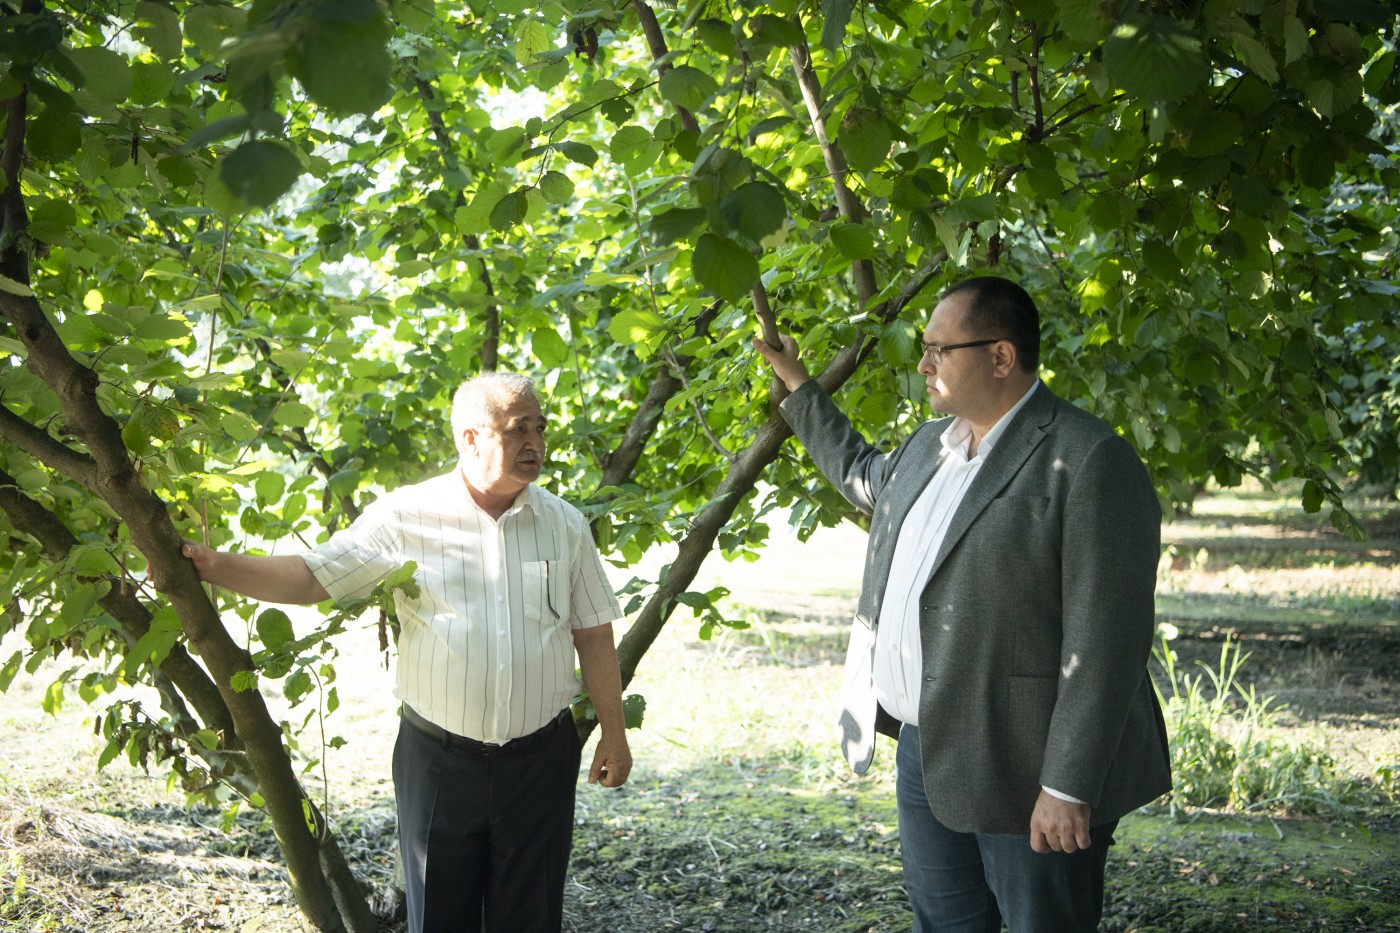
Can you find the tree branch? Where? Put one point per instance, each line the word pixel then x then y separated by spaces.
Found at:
pixel 14 221
pixel 656 44
pixel 51 453
pixel 862 270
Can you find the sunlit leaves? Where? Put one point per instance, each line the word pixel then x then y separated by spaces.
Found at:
pixel 556 187
pixel 1156 58
pixel 580 153
pixel 531 38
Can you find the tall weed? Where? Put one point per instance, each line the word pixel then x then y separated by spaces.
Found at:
pixel 1224 755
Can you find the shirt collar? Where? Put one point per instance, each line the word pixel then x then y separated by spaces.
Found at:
pixel 960 432
pixel 522 501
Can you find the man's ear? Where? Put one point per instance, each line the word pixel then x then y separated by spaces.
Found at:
pixel 466 440
pixel 1004 356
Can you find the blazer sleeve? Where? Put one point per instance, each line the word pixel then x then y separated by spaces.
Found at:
pixel 857 469
pixel 1111 540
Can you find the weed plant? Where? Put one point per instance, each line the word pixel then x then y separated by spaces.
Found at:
pixel 1225 757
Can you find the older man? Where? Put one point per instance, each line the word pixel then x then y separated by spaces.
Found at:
pixel 1004 623
pixel 510 588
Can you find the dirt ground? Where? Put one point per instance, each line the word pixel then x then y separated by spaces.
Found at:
pixel 754 825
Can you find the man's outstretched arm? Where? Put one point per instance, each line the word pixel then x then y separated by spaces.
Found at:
pixel 280 579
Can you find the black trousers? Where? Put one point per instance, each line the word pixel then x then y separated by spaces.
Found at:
pixel 485 831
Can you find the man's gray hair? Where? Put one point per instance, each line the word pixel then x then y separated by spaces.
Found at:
pixel 479 399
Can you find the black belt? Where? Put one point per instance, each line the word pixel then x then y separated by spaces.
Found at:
pixel 451 739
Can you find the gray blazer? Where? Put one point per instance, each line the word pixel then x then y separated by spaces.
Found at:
pixel 1037 620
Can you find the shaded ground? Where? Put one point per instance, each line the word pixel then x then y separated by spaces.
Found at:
pixel 740 817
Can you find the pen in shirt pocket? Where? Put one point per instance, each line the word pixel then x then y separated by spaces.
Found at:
pixel 549 590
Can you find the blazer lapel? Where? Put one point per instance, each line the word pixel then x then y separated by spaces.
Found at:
pixel 1022 436
pixel 916 468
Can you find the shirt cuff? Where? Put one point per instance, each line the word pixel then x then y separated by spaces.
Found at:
pixel 1061 796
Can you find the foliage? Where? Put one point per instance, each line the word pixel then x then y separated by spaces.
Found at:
pixel 249 250
pixel 1224 755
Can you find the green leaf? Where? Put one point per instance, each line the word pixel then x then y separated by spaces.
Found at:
pixel 505 143
pixel 259 172
pixel 206 25
pixel 628 142
pixel 159 28
pixel 345 67
pixel 1312 497
pixel 672 224
pixel 510 210
pixel 10 287
pixel 1161 260
pixel 106 74
pixel 577 153
pixel 864 138
pixel 1155 58
pixel 165 328
pixel 634 709
pixel 755 210
pixel 150 82
pixel 549 348
pixel 687 87
pixel 854 241
pixel 724 267
pixel 531 39
pixel 54 135
pixel 771 30
pixel 899 343
pixel 292 414
pixel 556 188
pixel 1084 20
pixel 270 487
pixel 274 629
pixel 635 326
pixel 836 16
pixel 719 36
pixel 52 221
pixel 972 210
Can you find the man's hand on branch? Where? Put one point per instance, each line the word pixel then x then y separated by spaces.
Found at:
pixel 784 360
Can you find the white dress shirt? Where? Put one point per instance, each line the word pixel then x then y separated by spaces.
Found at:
pixel 899 658
pixel 486 648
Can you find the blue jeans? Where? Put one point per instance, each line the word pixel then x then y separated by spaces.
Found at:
pixel 975 882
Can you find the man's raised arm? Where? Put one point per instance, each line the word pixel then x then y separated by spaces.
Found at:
pixel 281 579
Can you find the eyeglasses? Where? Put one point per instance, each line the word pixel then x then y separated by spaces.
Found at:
pixel 935 353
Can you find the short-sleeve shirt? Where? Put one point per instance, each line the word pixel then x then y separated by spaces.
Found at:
pixel 486 647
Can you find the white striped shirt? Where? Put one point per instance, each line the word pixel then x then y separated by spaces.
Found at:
pixel 486 648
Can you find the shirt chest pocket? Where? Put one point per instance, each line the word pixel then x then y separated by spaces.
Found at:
pixel 541 592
